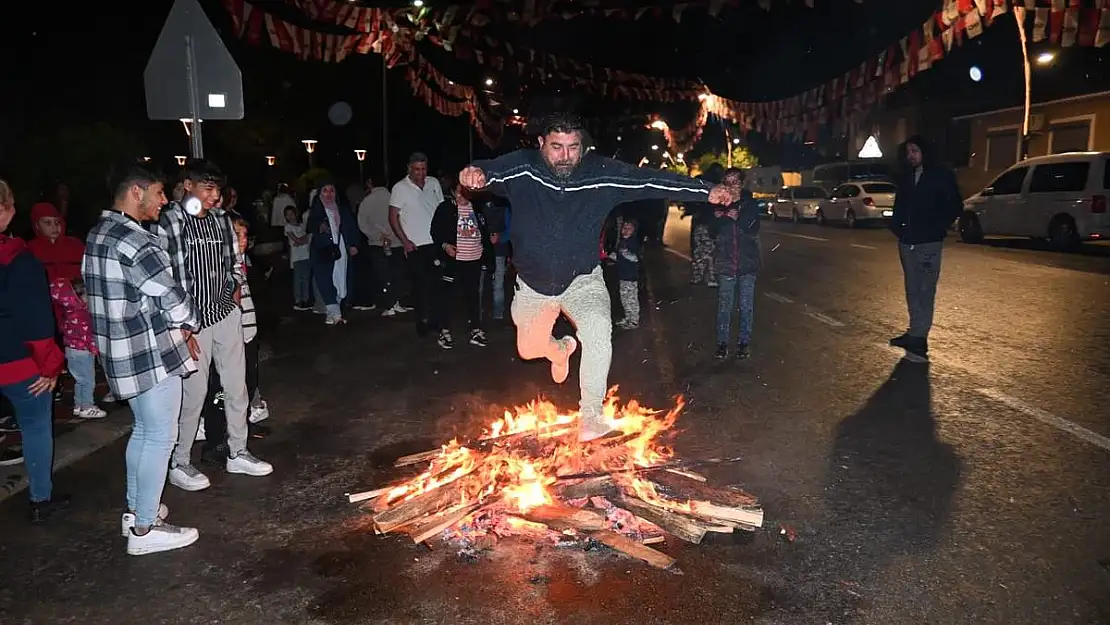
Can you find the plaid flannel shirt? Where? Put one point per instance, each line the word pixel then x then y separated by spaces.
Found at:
pixel 138 309
pixel 170 230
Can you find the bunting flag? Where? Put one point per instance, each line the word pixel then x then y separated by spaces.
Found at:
pixel 837 105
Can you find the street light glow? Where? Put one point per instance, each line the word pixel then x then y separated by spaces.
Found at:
pixel 736 141
pixel 270 160
pixel 360 155
pixel 516 111
pixel 655 147
pixel 1044 58
pixel 975 73
pixel 659 124
pixel 181 160
pixel 489 82
pixel 418 3
pixel 309 145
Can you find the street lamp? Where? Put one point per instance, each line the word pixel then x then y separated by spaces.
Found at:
pixel 489 82
pixel 361 156
pixel 659 124
pixel 654 147
pixel 1045 58
pixel 181 160
pixel 270 160
pixel 310 147
pixel 146 159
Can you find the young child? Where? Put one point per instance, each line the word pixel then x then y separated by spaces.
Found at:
pixel 627 257
pixel 737 257
pixel 61 255
pixel 299 259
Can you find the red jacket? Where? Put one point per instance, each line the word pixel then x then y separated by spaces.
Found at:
pixel 27 346
pixel 62 256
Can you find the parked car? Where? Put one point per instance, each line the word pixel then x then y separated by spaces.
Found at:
pixel 857 202
pixel 797 203
pixel 1061 197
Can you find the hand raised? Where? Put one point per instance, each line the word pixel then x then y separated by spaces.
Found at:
pixel 472 178
pixel 723 195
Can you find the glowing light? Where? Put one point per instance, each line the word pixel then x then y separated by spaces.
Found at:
pixel 736 141
pixel 418 3
pixel 654 147
pixel 360 155
pixel 516 111
pixel 975 73
pixel 181 160
pixel 270 160
pixel 489 82
pixel 871 149
pixel 309 145
pixel 659 124
pixel 1045 58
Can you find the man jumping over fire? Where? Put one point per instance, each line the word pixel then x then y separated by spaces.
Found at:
pixel 561 195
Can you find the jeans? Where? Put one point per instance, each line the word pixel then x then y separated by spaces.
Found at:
pixel 499 268
pixel 223 345
pixel 921 266
pixel 302 281
pixel 82 366
pixel 156 412
pixel 735 292
pixel 465 281
pixel 387 274
pixel 35 416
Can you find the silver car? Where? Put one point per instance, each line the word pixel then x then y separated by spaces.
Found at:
pixel 857 202
pixel 797 203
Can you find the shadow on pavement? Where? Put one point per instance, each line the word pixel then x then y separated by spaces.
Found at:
pixel 890 481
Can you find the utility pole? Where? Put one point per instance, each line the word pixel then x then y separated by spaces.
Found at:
pixel 385 123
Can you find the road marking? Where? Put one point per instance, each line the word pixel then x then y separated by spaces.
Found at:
pixel 1048 418
pixel 864 247
pixel 823 318
pixel 797 236
pixel 778 298
pixel 679 254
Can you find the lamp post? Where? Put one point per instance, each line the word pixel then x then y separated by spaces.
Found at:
pixel 361 156
pixel 181 160
pixel 271 160
pixel 310 147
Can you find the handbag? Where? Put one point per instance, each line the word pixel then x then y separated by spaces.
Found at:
pixel 336 253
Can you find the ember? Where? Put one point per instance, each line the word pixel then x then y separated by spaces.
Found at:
pixel 528 476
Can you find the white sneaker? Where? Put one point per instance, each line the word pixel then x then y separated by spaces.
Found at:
pixel 161 537
pixel 187 477
pixel 110 398
pixel 246 464
pixel 335 321
pixel 398 308
pixel 92 412
pixel 389 312
pixel 127 521
pixel 365 308
pixel 259 413
pixel 201 436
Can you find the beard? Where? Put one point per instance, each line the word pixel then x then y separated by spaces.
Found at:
pixel 562 169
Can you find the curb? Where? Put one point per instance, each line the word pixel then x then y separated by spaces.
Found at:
pixel 70 448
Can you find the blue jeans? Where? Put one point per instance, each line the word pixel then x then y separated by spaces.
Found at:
pixel 499 268
pixel 735 292
pixel 35 416
pixel 156 413
pixel 302 278
pixel 82 366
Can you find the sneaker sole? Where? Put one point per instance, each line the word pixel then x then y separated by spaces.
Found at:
pixel 192 488
pixel 251 473
pixel 258 420
pixel 165 547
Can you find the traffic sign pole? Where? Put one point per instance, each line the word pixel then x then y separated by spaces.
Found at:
pixel 196 139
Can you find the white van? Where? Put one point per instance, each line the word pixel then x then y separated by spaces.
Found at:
pixel 1061 197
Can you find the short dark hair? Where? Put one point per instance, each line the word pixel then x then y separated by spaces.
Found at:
pixel 562 122
pixel 418 157
pixel 237 219
pixel 735 172
pixel 202 170
pixel 127 175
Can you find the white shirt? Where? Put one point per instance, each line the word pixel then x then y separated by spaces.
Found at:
pixel 415 208
pixel 373 217
pixel 282 201
pixel 296 251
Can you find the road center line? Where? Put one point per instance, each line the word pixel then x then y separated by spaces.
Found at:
pixel 679 254
pixel 778 298
pixel 864 247
pixel 797 236
pixel 823 318
pixel 1048 418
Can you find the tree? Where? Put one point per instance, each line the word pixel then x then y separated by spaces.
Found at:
pixel 741 157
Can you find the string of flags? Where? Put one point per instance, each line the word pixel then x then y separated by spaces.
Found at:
pixel 838 104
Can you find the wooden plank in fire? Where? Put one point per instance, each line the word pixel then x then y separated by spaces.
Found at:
pixel 684 527
pixel 480 444
pixel 423 504
pixel 433 525
pixel 627 546
pixel 561 517
pixel 681 487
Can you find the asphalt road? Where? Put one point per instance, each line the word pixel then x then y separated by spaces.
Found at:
pixel 975 489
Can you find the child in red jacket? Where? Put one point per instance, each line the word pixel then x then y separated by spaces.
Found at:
pixel 61 255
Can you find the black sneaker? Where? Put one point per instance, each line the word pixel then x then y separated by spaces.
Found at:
pixel 477 337
pixel 743 352
pixel 916 345
pixel 445 341
pixel 722 352
pixel 43 511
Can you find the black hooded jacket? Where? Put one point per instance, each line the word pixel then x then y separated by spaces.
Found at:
pixel 925 206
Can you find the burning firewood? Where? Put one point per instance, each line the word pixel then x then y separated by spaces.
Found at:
pixel 528 477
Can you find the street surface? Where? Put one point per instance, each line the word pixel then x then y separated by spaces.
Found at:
pixel 974 489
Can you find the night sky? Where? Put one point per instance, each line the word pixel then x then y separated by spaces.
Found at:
pixel 77 64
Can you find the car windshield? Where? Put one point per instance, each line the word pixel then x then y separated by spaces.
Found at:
pixel 880 187
pixel 808 193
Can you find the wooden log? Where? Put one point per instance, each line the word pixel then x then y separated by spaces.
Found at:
pixel 653 540
pixel 367 495
pixel 679 487
pixel 750 517
pixel 561 517
pixel 444 520
pixel 423 456
pixel 594 486
pixel 408 511
pixel 690 474
pixel 684 527
pixel 632 548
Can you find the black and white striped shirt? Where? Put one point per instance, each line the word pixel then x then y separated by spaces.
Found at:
pixel 205 258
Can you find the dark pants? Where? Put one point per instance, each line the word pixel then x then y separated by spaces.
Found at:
pixel 388 274
pixel 215 420
pixel 424 278
pixel 361 284
pixel 466 281
pixel 921 266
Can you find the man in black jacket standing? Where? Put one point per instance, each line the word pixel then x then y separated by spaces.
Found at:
pixel 561 195
pixel 927 203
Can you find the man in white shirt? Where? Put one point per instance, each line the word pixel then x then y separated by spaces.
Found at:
pixel 282 201
pixel 412 204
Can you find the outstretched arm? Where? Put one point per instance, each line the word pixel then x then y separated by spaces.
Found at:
pixel 628 183
pixel 494 172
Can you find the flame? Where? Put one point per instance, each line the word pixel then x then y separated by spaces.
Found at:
pixel 520 456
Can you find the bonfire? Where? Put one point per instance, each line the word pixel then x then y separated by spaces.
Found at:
pixel 527 475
